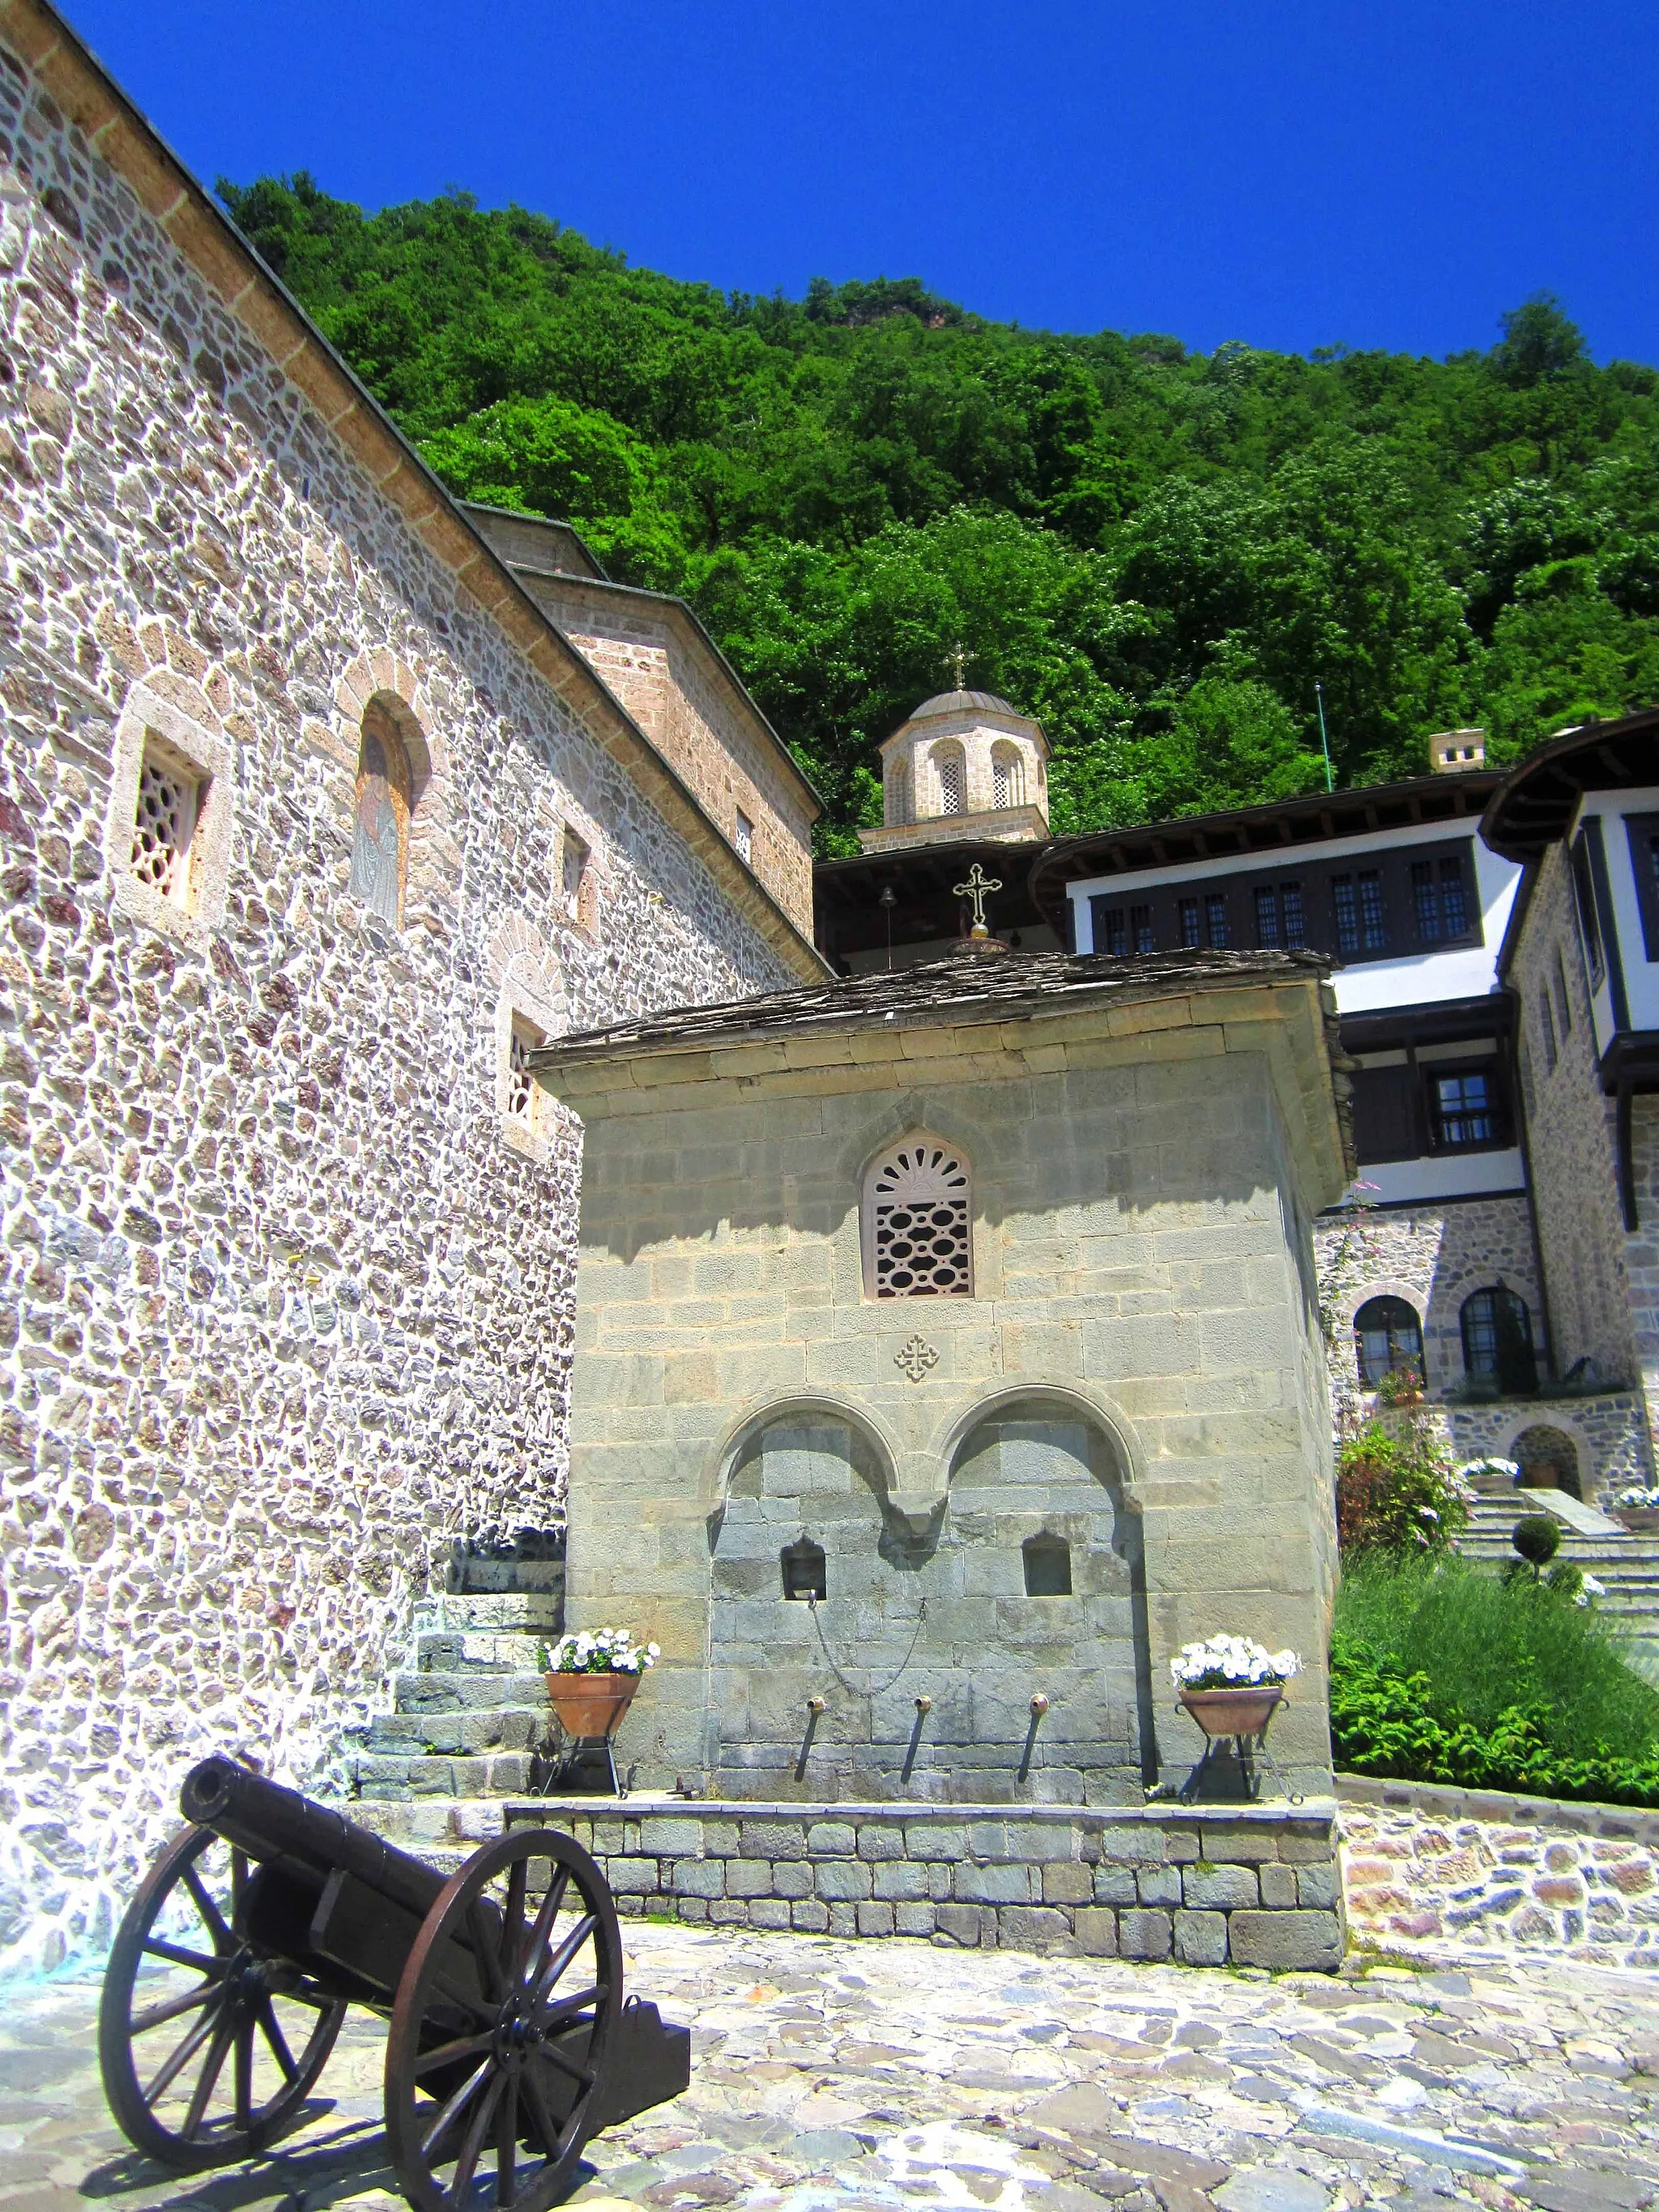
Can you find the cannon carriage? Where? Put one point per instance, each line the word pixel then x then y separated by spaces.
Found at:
pixel 269 1915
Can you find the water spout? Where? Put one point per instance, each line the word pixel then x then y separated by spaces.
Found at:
pixel 814 1707
pixel 1039 1706
pixel 924 1706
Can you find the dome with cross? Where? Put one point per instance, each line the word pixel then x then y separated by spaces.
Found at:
pixel 963 764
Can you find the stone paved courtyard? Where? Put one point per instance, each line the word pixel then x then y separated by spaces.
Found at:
pixel 887 2073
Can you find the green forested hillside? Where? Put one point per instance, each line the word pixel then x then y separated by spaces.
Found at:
pixel 1156 552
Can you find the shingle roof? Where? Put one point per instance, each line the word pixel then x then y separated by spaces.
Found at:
pixel 961 703
pixel 985 987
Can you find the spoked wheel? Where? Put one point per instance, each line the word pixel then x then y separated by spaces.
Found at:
pixel 207 2051
pixel 495 2066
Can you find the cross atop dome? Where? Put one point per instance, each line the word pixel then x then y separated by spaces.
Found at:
pixel 964 765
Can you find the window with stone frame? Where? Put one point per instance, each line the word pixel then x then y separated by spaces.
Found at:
pixel 578 890
pixel 743 838
pixel 1387 1337
pixel 1007 777
pixel 951 769
pixel 917 1222
pixel 522 1041
pixel 169 806
pixel 1546 1030
pixel 379 832
pixel 1498 1348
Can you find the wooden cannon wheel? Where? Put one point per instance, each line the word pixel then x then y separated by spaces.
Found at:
pixel 495 2068
pixel 249 2035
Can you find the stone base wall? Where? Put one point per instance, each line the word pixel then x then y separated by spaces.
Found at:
pixel 1610 1432
pixel 1245 1885
pixel 1428 1871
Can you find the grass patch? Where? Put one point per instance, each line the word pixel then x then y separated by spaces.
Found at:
pixel 1441 1674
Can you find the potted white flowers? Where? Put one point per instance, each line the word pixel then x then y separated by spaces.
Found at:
pixel 1231 1685
pixel 1638 1509
pixel 591 1675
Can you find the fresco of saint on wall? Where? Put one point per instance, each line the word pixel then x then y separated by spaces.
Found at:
pixel 380 832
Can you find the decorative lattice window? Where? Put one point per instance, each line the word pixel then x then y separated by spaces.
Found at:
pixel 952 781
pixel 169 798
pixel 1008 778
pixel 918 1240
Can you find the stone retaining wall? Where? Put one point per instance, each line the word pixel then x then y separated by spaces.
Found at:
pixel 1427 1871
pixel 1250 1885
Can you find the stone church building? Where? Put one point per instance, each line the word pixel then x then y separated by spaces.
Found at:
pixel 322 804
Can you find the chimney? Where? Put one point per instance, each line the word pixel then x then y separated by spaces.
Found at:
pixel 1455 752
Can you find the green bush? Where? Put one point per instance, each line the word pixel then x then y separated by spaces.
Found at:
pixel 1397 1493
pixel 1440 1673
pixel 1537 1539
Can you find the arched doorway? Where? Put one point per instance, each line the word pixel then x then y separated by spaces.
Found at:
pixel 1548 1460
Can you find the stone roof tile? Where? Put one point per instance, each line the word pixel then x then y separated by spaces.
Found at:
pixel 983 986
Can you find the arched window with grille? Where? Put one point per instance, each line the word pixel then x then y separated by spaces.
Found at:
pixel 1498 1339
pixel 951 771
pixel 917 1222
pixel 898 794
pixel 1007 777
pixel 1387 1337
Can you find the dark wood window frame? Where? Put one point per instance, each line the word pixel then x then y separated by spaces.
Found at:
pixel 1643 831
pixel 1293 903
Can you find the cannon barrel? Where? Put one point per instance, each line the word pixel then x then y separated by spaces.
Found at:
pixel 273 1824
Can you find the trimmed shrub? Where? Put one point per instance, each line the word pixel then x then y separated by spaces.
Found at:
pixel 1537 1538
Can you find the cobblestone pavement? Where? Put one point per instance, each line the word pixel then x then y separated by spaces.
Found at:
pixel 831 2076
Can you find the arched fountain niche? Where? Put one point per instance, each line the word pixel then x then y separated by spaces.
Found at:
pixel 1049 1538
pixel 797 1573
pixel 865 1646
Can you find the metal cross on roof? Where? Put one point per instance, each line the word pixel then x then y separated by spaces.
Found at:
pixel 978 888
pixel 957 660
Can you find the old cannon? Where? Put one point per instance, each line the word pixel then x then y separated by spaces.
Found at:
pixel 269 1915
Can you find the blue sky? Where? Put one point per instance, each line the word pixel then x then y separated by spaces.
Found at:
pixel 1293 174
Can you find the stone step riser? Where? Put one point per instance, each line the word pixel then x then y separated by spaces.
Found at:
pixel 437 1777
pixel 456 1734
pixel 478 1576
pixel 518 1612
pixel 433 1693
pixel 485 1651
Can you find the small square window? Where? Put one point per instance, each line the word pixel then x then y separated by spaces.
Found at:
pixel 743 837
pixel 169 804
pixel 577 891
pixel 1465 1110
pixel 520 1084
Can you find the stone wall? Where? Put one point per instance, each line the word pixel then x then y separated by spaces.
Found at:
pixel 1433 1256
pixel 1245 1885
pixel 654 656
pixel 1569 1135
pixel 284 1301
pixel 1143 1170
pixel 1430 1871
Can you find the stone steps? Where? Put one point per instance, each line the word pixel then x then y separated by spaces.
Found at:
pixel 470 1711
pixel 473 1689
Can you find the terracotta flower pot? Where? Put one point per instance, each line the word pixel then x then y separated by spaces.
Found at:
pixel 1245 1710
pixel 591 1704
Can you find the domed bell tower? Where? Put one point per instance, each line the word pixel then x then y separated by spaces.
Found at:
pixel 964 767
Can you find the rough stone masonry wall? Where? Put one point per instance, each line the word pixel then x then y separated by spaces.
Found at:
pixel 1432 1255
pixel 1571 1142
pixel 280 1308
pixel 1428 1870
pixel 1246 1885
